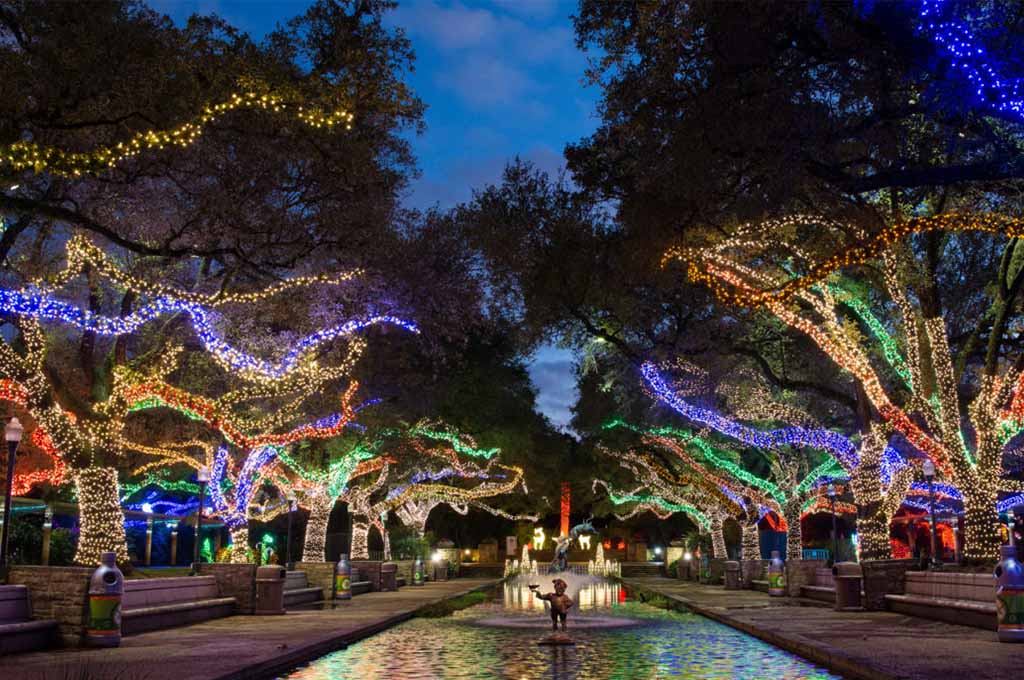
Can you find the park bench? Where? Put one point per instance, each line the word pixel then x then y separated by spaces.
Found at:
pixel 18 632
pixel 151 604
pixel 297 590
pixel 964 599
pixel 823 587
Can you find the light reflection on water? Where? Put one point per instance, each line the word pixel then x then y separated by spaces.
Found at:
pixel 664 645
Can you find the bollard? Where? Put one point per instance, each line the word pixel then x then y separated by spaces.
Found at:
pixel 776 576
pixel 417 571
pixel 1010 596
pixel 343 578
pixel 106 588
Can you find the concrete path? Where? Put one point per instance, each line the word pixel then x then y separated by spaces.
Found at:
pixel 861 645
pixel 238 647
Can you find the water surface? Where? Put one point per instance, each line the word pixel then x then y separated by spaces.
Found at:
pixel 498 640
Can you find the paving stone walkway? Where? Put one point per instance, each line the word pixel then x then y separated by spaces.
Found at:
pixel 237 647
pixel 861 645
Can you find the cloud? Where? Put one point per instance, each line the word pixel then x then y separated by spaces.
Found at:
pixel 485 81
pixel 448 28
pixel 554 377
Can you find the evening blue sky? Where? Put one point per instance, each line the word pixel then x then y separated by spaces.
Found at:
pixel 500 79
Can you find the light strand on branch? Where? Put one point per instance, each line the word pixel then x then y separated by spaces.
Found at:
pixel 28 155
pixel 44 307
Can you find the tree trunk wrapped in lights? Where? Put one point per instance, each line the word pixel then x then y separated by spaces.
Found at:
pixel 385 538
pixel 750 541
pixel 101 517
pixel 360 538
pixel 241 553
pixel 314 546
pixel 931 418
pixel 718 548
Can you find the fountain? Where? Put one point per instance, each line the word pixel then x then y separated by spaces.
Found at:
pixel 562 545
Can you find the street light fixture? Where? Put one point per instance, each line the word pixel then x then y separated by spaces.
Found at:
pixel 12 433
pixel 203 477
pixel 292 503
pixel 929 474
pixel 831 491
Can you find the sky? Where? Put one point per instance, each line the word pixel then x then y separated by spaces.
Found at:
pixel 500 79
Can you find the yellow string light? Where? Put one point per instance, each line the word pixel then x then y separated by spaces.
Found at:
pixel 28 155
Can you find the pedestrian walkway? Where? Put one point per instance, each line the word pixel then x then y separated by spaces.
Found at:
pixel 868 645
pixel 239 646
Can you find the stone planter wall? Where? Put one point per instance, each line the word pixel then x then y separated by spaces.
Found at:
pixel 752 570
pixel 58 593
pixel 319 575
pixel 801 573
pixel 883 577
pixel 234 580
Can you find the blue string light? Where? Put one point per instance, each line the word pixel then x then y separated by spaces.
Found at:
pixel 988 80
pixel 44 307
pixel 825 440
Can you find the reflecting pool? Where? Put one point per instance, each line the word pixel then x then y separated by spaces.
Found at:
pixel 615 639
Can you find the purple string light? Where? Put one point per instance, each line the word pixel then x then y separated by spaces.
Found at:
pixel 824 440
pixel 47 308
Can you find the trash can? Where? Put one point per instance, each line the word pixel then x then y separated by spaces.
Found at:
pixel 389 577
pixel 440 570
pixel 849 578
pixel 732 575
pixel 418 575
pixel 106 589
pixel 270 589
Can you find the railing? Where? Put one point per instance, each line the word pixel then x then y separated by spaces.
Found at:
pixel 816 554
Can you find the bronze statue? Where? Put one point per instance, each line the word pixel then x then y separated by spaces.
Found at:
pixel 559 601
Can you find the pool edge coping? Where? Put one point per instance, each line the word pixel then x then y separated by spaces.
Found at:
pixel 826 656
pixel 267 670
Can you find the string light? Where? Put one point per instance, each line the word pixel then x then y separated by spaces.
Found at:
pixel 991 86
pixel 27 155
pixel 977 472
pixel 17 394
pixel 82 255
pixel 44 307
pixel 821 439
pixel 101 519
pixel 855 254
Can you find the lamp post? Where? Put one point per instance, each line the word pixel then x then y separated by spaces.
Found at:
pixel 203 477
pixel 929 474
pixel 12 433
pixel 831 491
pixel 290 497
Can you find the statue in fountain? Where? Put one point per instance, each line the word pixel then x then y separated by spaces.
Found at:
pixel 559 601
pixel 563 543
